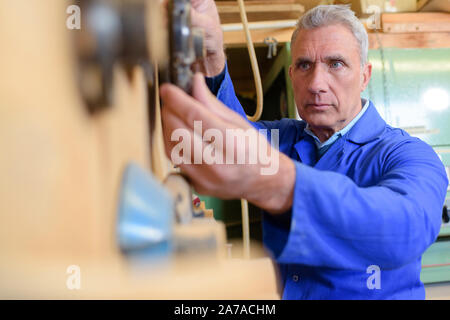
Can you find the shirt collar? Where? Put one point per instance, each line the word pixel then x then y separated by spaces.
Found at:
pixel 341 132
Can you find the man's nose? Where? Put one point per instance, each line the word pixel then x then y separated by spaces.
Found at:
pixel 318 80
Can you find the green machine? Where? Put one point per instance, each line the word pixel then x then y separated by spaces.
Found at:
pixel 411 89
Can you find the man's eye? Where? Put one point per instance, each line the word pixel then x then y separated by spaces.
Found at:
pixel 336 64
pixel 303 65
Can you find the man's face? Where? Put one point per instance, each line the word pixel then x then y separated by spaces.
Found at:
pixel 327 77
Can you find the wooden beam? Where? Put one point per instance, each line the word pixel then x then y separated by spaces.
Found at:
pixel 237 38
pixel 410 40
pixel 259 6
pixel 415 22
pixel 260 10
pixel 275 24
pixel 388 40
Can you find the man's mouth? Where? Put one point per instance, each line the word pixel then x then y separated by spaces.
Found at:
pixel 318 106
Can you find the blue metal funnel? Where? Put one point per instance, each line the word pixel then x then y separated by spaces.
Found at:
pixel 146 214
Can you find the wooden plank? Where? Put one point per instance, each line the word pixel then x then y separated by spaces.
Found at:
pixel 415 22
pixel 260 10
pixel 391 40
pixel 411 40
pixel 237 38
pixel 259 16
pixel 259 6
pixel 273 24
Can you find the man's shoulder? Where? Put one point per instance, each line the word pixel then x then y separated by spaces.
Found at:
pixel 289 131
pixel 285 125
pixel 396 136
pixel 288 124
pixel 398 143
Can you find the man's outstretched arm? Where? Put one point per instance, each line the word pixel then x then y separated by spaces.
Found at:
pixel 272 192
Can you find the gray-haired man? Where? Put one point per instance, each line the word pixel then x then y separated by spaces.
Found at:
pixel 355 202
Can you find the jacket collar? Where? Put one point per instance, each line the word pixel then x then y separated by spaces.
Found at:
pixel 369 127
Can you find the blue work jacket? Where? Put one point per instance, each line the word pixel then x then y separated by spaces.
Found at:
pixel 362 215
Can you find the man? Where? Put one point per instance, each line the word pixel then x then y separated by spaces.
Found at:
pixel 355 202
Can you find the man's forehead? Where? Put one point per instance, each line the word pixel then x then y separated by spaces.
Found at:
pixel 329 40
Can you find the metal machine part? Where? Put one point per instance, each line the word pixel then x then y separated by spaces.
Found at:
pixel 185 44
pixel 272 43
pixel 156 220
pixel 145 214
pixel 186 48
pixel 98 47
pixel 182 194
pixel 112 32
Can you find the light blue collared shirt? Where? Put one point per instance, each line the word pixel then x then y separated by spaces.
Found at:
pixel 322 147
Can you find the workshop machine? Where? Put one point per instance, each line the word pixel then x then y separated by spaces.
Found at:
pixel 89 206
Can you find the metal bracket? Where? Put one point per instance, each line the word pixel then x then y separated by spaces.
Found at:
pixel 185 44
pixel 272 43
pixel 112 32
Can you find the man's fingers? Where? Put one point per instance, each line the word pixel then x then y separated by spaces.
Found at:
pixel 203 106
pixel 200 20
pixel 178 102
pixel 205 7
pixel 170 123
pixel 201 92
pixel 190 144
pixel 189 109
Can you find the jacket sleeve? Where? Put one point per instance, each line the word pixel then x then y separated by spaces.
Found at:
pixel 337 224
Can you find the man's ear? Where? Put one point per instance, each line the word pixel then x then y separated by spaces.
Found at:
pixel 365 76
pixel 290 72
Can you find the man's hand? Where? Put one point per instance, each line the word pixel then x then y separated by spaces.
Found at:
pixel 235 180
pixel 204 15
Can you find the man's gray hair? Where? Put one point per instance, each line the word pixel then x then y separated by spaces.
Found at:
pixel 326 15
